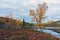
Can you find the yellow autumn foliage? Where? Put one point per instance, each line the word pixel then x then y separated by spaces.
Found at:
pixel 18 22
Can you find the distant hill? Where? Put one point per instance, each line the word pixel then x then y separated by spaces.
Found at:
pixel 53 24
pixel 9 23
pixel 57 23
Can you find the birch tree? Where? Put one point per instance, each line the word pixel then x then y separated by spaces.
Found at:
pixel 38 14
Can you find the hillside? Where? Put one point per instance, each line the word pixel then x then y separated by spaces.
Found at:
pixel 9 23
pixel 54 24
pixel 25 34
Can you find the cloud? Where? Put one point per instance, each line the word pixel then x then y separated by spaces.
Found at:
pixel 52 1
pixel 30 2
pixel 22 7
pixel 6 6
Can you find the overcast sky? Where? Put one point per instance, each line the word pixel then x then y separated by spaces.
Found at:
pixel 20 8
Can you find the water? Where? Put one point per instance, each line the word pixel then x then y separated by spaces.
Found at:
pixel 52 33
pixel 55 34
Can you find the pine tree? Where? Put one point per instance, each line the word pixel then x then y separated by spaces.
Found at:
pixel 23 24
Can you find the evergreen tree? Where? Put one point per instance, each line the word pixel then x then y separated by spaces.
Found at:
pixel 23 24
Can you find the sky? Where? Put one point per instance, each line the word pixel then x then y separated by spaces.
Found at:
pixel 20 8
